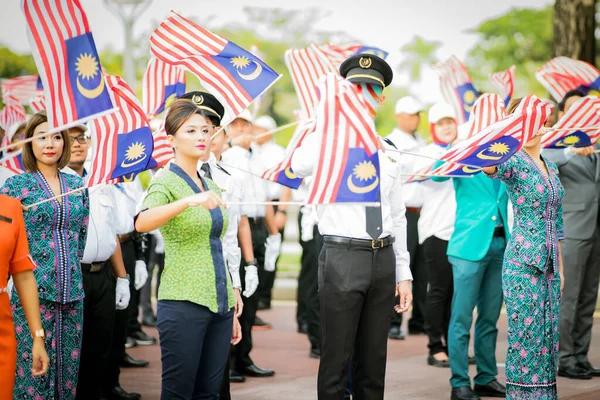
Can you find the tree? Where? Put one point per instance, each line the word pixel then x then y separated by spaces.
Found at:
pixel 574 28
pixel 418 53
pixel 13 64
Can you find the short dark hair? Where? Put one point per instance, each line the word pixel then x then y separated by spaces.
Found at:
pixel 180 111
pixel 569 94
pixel 29 160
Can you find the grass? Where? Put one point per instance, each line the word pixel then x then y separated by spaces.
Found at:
pixel 289 263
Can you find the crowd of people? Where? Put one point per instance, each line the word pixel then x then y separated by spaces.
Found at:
pixel 523 233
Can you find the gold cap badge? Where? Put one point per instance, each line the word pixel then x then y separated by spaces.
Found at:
pixel 365 62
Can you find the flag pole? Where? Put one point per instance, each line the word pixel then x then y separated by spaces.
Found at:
pixel 300 203
pixel 431 158
pixel 56 197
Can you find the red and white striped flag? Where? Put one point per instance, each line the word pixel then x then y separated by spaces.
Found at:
pixel 162 84
pixel 456 87
pixel 488 109
pixel 21 88
pixel 348 146
pixel 14 162
pixel 38 103
pixel 562 74
pixel 233 75
pixel 584 116
pixel 505 81
pixel 67 60
pixel 12 112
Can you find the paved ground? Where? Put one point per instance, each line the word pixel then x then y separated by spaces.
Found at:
pixel 285 351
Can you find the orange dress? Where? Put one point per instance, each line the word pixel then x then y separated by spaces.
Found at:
pixel 14 258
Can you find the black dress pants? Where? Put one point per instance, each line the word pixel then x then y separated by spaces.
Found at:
pixel 356 294
pixel 117 351
pixel 98 323
pixel 439 295
pixel 241 353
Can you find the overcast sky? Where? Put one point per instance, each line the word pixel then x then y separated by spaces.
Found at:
pixel 387 24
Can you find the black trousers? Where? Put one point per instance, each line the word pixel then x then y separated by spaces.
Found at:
pixel 439 295
pixel 155 260
pixel 98 323
pixel 241 353
pixel 308 286
pixel 419 273
pixel 266 279
pixel 117 351
pixel 356 294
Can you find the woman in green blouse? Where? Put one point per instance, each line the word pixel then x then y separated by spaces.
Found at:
pixel 195 301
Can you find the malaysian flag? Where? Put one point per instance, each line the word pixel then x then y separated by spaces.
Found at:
pixel 562 74
pixel 67 60
pixel 584 116
pixel 282 172
pixel 14 162
pixel 162 84
pixel 122 142
pixel 12 113
pixel 488 109
pixel 456 87
pixel 235 76
pixel 38 103
pixel 505 81
pixel 499 141
pixel 21 88
pixel 348 164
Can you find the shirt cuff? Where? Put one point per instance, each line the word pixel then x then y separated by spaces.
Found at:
pixel 235 280
pixel 568 152
pixel 403 273
pixel 24 264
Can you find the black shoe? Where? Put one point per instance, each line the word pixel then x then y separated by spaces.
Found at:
pixel 590 369
pixel 118 393
pixel 492 389
pixel 303 328
pixel 260 325
pixel 264 305
pixel 142 339
pixel 257 372
pixel 463 393
pixel 434 362
pixel 395 333
pixel 129 343
pixel 149 321
pixel 130 362
pixel 574 372
pixel 235 377
pixel 472 360
pixel 315 353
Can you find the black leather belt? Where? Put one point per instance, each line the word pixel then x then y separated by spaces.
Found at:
pixel 499 232
pixel 93 267
pixel 360 243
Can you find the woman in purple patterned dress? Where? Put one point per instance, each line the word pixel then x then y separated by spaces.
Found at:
pixel 56 232
pixel 532 275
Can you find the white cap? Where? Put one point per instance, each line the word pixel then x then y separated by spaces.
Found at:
pixel 408 105
pixel 245 115
pixel 10 132
pixel 266 122
pixel 439 111
pixel 83 128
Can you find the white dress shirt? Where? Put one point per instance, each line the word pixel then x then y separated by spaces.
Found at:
pixel 128 196
pixel 242 163
pixel 231 189
pixel 101 240
pixel 350 220
pixel 5 173
pixel 438 210
pixel 404 141
pixel 270 154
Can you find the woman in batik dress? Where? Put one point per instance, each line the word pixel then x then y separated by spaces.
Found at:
pixel 56 231
pixel 532 275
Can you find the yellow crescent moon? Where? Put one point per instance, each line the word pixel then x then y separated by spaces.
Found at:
pixel 170 100
pixel 470 170
pixel 128 178
pixel 483 156
pixel 91 93
pixel 560 143
pixel 290 174
pixel 253 75
pixel 361 190
pixel 124 164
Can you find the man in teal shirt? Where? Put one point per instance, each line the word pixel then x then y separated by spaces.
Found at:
pixel 476 252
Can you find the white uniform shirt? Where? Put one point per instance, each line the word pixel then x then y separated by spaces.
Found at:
pixel 407 142
pixel 270 154
pixel 242 163
pixel 349 220
pixel 438 210
pixel 128 196
pixel 5 173
pixel 231 189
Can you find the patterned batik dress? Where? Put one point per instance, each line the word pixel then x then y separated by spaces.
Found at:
pixel 56 232
pixel 531 279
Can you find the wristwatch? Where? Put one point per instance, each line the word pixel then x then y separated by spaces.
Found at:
pixel 253 262
pixel 125 277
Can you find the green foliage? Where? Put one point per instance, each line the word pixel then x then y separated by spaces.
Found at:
pixel 416 54
pixel 13 64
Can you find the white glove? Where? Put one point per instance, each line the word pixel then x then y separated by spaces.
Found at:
pixel 122 293
pixel 141 274
pixel 251 280
pixel 273 245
